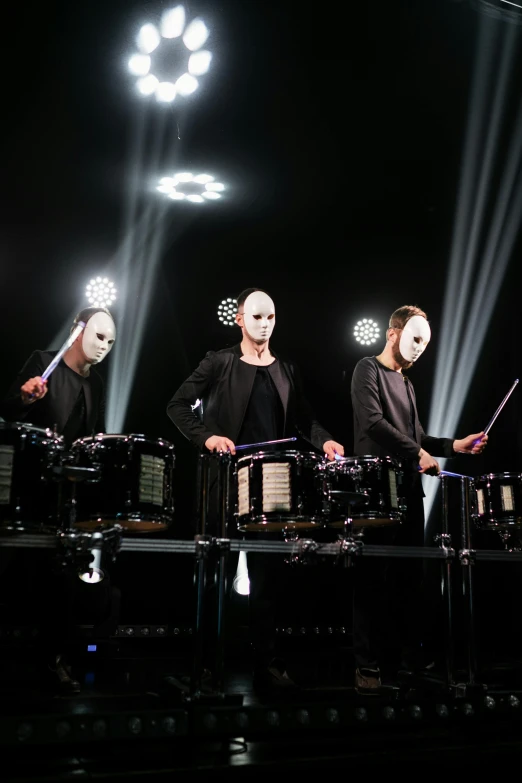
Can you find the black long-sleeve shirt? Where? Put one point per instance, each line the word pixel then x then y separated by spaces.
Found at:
pixel 74 405
pixel 383 402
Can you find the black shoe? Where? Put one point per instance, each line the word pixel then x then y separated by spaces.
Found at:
pixel 368 682
pixel 273 678
pixel 67 685
pixel 418 664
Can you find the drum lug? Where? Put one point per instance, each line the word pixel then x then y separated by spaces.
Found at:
pixel 468 557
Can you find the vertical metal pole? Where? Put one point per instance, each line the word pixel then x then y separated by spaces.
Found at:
pixel 222 566
pixel 200 567
pixel 467 576
pixel 446 587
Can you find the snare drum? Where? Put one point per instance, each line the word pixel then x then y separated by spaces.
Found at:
pixel 29 499
pixel 375 480
pixel 278 491
pixel 135 489
pixel 498 500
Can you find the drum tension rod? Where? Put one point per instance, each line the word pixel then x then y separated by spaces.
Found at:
pixel 468 557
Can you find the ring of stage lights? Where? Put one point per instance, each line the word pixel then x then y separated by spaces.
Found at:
pixel 186 43
pixel 227 311
pixel 206 187
pixel 100 292
pixel 366 331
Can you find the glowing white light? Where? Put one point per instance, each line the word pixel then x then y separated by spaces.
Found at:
pixel 199 62
pixel 366 331
pixel 227 310
pixel 195 35
pixel 173 22
pixel 202 179
pixel 241 583
pixel 92 578
pixel 139 64
pixel 100 292
pixel 148 38
pixel 186 84
pixel 165 92
pixel 198 190
pixel 185 42
pixel 147 85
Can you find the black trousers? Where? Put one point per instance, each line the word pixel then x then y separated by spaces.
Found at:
pixel 391 611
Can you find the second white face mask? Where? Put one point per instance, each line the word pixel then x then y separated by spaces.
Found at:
pixel 414 338
pixel 98 337
pixel 259 316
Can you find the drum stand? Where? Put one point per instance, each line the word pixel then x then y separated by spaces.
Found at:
pixel 210 571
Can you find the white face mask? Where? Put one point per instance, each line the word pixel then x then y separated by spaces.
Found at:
pixel 98 337
pixel 259 316
pixel 414 338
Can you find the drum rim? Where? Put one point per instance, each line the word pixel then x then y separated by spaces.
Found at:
pixel 259 454
pixel 22 425
pixel 100 437
pixel 489 476
pixel 366 458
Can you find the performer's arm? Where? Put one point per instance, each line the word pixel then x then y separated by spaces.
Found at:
pixel 180 407
pixel 26 390
pixel 367 408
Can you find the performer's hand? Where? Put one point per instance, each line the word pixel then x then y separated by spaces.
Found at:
pixel 33 389
pixel 473 444
pixel 427 464
pixel 331 448
pixel 219 443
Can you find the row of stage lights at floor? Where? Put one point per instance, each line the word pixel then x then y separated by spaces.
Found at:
pixel 245 722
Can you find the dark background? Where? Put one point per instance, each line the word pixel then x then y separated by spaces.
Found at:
pixel 338 129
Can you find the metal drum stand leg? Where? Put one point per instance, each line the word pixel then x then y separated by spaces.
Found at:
pixel 221 550
pixel 467 562
pixel 444 541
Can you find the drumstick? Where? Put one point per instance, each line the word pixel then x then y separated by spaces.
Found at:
pixel 264 443
pixel 456 475
pixel 65 347
pixel 506 398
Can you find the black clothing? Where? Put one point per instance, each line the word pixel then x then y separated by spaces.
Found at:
pixel 386 423
pixel 248 404
pixel 66 388
pixel 224 383
pixel 381 415
pixel 264 416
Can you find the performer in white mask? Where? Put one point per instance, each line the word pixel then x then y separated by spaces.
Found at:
pixel 71 401
pixel 386 423
pixel 250 396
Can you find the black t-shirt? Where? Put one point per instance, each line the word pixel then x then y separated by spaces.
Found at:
pixel 264 417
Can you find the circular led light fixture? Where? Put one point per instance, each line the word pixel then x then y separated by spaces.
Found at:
pixel 366 331
pixel 170 56
pixel 227 311
pixel 196 188
pixel 100 292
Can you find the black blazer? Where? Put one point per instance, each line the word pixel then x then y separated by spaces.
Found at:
pixel 55 408
pixel 224 383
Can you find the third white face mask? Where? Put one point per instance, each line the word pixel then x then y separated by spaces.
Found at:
pixel 259 316
pixel 98 337
pixel 414 338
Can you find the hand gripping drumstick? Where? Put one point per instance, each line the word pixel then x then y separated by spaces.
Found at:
pixel 65 347
pixel 506 398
